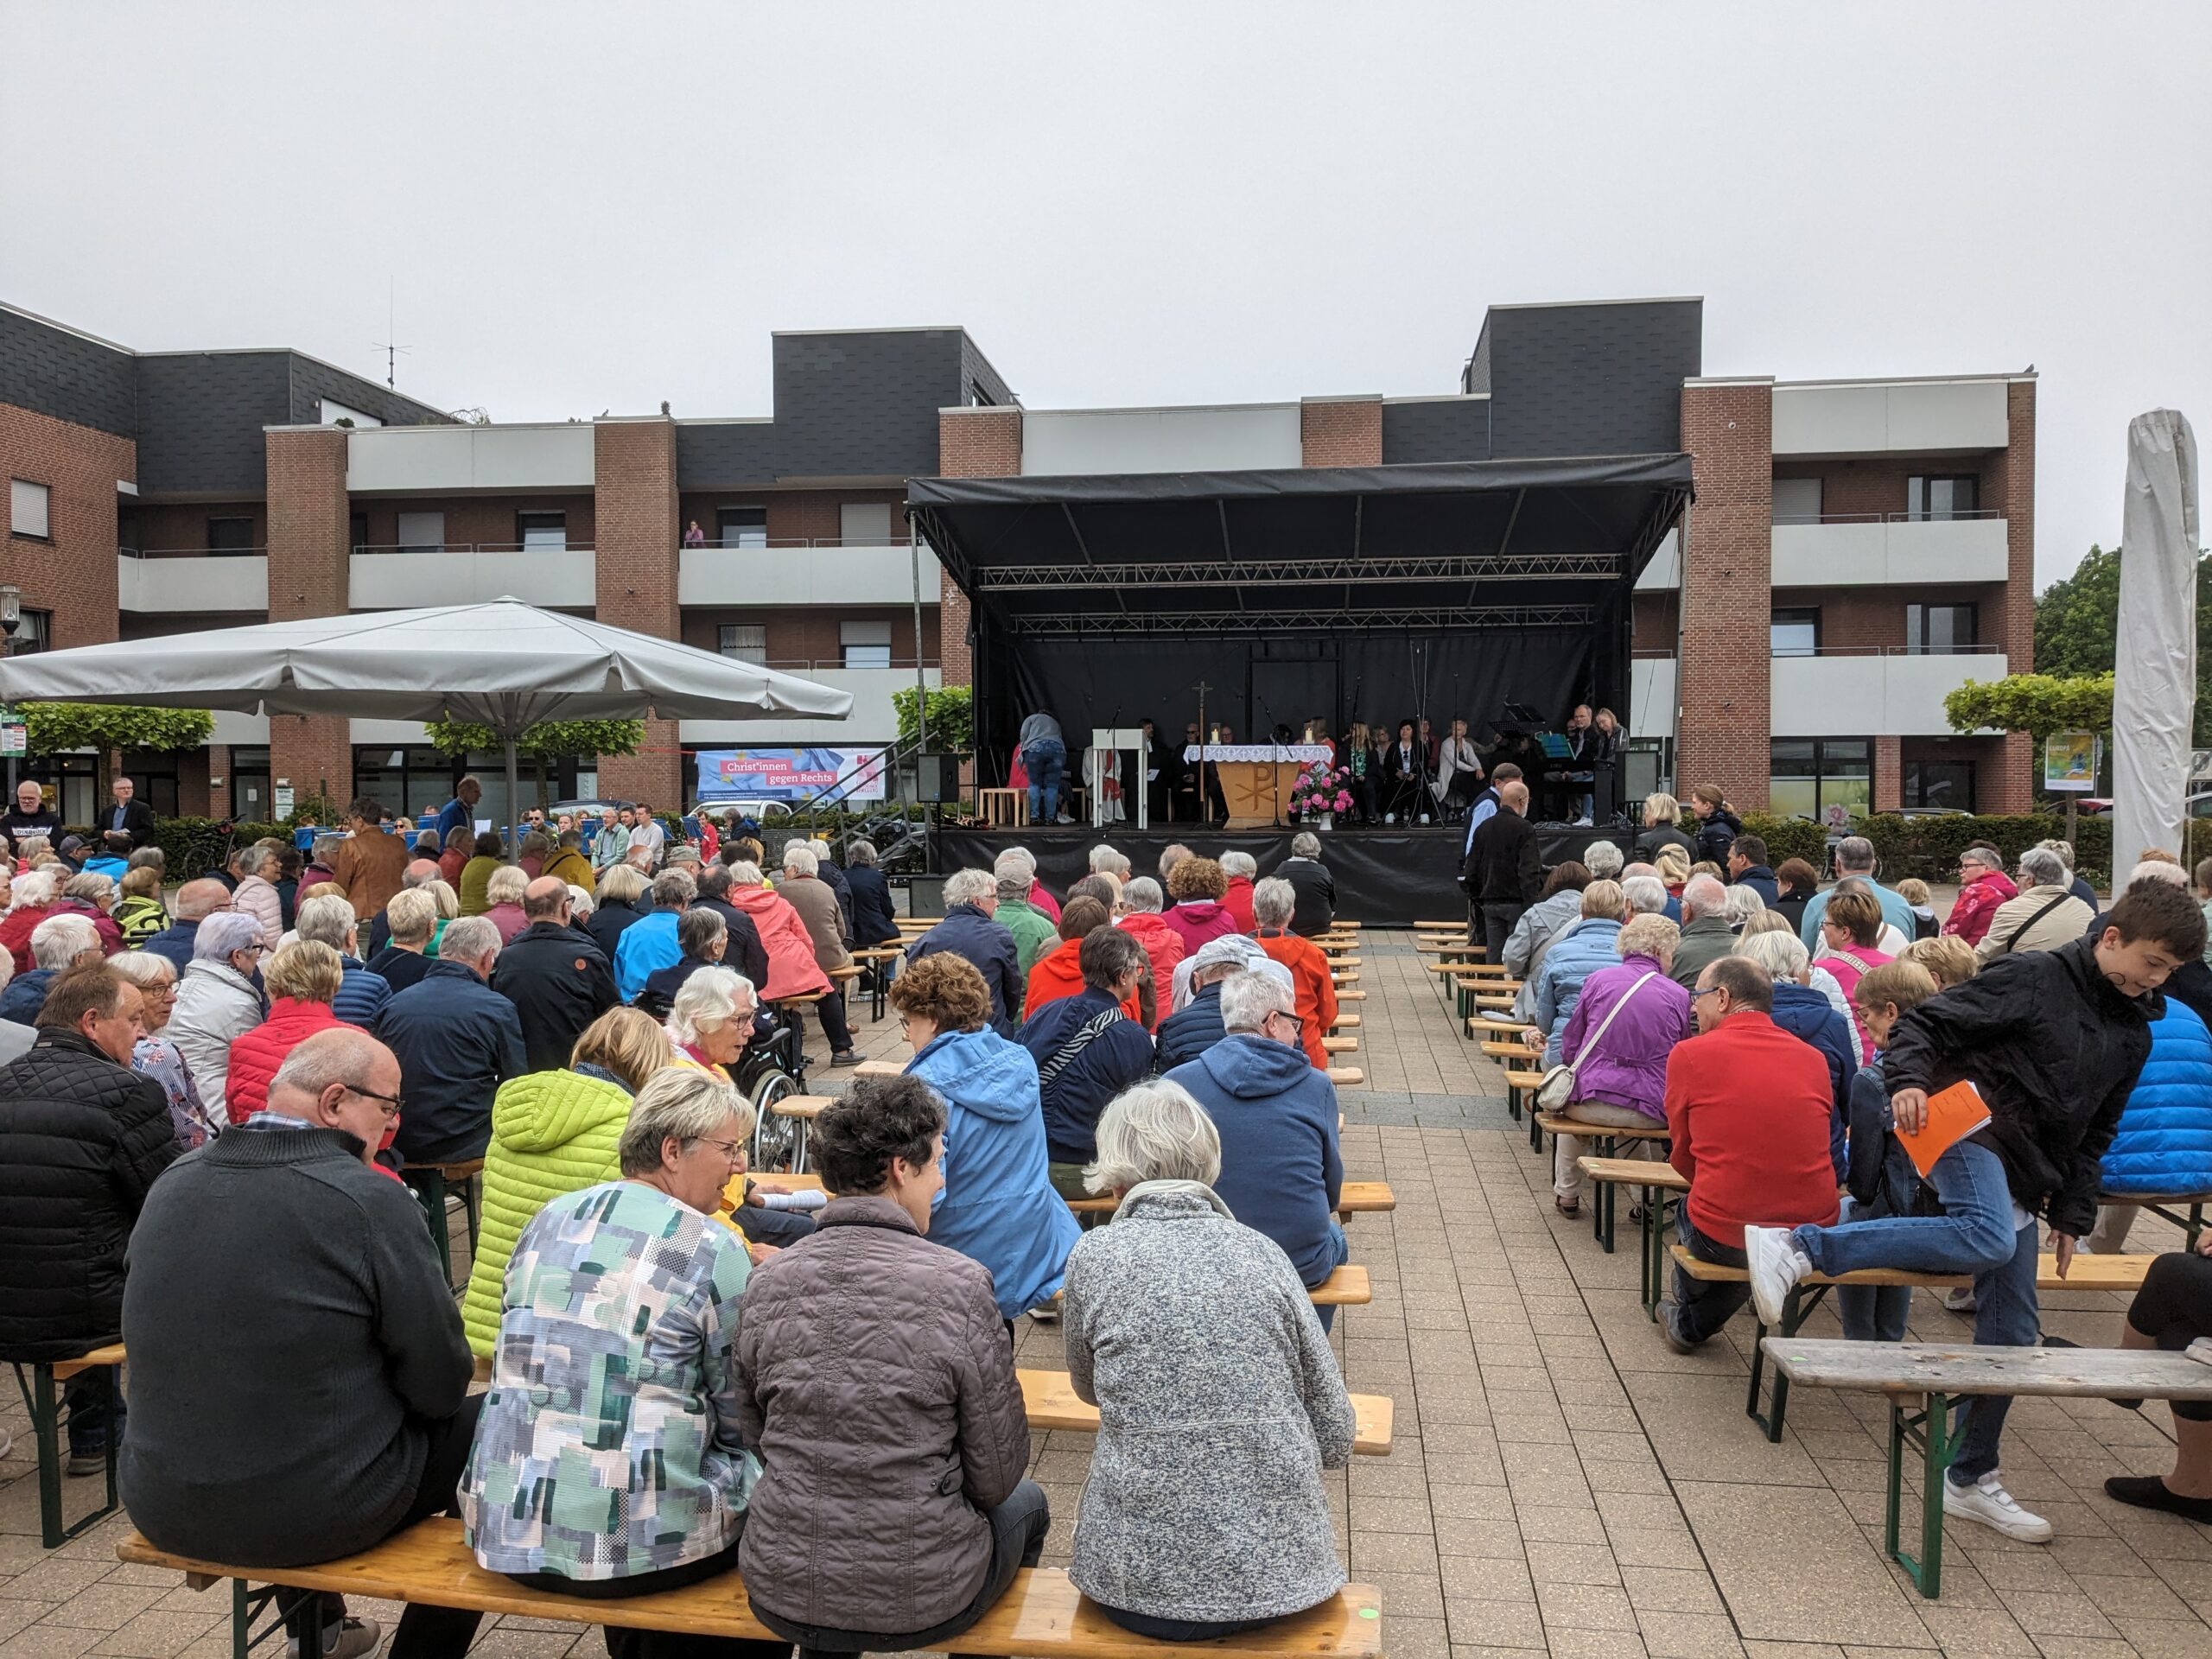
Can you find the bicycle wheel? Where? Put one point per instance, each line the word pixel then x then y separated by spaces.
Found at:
pixel 774 1138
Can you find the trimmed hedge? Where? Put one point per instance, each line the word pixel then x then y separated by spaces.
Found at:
pixel 195 846
pixel 1785 838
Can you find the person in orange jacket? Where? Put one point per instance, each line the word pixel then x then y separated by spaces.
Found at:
pixel 1058 972
pixel 1274 902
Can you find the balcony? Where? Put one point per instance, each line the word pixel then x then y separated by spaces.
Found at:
pixel 822 571
pixel 1891 416
pixel 392 578
pixel 1868 692
pixel 449 459
pixel 1877 549
pixel 873 719
pixel 191 580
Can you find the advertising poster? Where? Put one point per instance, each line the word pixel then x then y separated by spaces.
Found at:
pixel 790 775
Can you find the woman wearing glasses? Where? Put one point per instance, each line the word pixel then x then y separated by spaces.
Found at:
pixel 607 1460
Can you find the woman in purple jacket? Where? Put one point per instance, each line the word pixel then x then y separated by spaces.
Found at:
pixel 1620 1079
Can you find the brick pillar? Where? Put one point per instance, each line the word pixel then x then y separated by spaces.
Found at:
pixel 1725 673
pixel 1889 774
pixel 2012 789
pixel 310 544
pixel 637 537
pixel 1340 431
pixel 977 442
pixel 2010 786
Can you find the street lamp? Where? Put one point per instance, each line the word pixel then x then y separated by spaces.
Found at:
pixel 11 617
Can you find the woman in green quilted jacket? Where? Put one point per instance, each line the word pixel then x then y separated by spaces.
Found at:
pixel 553 1132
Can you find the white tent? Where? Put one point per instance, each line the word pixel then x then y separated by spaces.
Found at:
pixel 2154 684
pixel 502 663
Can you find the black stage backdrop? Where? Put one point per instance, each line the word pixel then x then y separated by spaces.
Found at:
pixel 1263 680
pixel 1384 878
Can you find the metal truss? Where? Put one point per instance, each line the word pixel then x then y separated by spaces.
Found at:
pixel 1241 572
pixel 1070 624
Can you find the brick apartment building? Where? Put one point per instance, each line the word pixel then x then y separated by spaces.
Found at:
pixel 1856 548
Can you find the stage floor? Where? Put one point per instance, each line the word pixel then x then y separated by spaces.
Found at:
pixel 1385 875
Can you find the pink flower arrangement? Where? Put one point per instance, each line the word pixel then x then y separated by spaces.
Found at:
pixel 1321 788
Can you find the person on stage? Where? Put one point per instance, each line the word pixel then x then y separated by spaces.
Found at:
pixel 1458 773
pixel 1357 755
pixel 1162 766
pixel 1405 770
pixel 1187 775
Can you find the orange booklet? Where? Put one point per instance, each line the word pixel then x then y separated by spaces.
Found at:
pixel 1953 1113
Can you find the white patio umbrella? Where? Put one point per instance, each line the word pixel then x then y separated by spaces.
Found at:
pixel 501 664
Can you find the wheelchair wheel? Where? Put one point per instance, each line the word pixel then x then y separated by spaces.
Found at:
pixel 774 1138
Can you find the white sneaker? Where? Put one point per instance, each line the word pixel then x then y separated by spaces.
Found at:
pixel 1959 1299
pixel 1776 1266
pixel 1988 1501
pixel 355 1638
pixel 1424 817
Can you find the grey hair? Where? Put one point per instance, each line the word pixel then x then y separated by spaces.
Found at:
pixel 581 901
pixel 254 858
pixel 59 940
pixel 697 929
pixel 969 887
pixel 1153 1131
pixel 411 914
pixel 1744 902
pixel 2043 868
pixel 1105 861
pixel 743 873
pixel 1646 895
pixel 2063 848
pixel 144 967
pixel 1855 853
pixel 1780 953
pixel 148 857
pixel 860 853
pixel 224 934
pixel 91 887
pixel 329 841
pixel 674 888
pixel 1703 895
pixel 340 1055
pixel 1305 844
pixel 1273 902
pixel 328 919
pixel 36 887
pixel 1143 894
pixel 2151 869
pixel 1014 857
pixel 506 886
pixel 800 859
pixel 682 1103
pixel 707 1001
pixel 471 939
pixel 1603 859
pixel 1235 863
pixel 821 848
pixel 1647 935
pixel 1248 997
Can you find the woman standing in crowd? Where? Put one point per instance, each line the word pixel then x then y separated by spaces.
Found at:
pixel 997 1205
pixel 1200 1348
pixel 1357 755
pixel 1718 826
pixel 892 1435
pixel 610 1459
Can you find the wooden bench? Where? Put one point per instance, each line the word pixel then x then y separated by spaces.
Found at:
pixel 432 1183
pixel 1346 1044
pixel 1607 1141
pixel 2163 1205
pixel 1353 1198
pixel 878 1069
pixel 803 1109
pixel 2113 1272
pixel 1050 1402
pixel 1345 1077
pixel 885 959
pixel 1347 1022
pixel 1921 1379
pixel 1657 1178
pixel 1041 1614
pixel 44 1405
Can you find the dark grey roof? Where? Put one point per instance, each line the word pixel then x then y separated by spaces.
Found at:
pixel 1435 428
pixel 1596 379
pixel 67 376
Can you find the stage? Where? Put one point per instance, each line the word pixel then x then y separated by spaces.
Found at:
pixel 1387 876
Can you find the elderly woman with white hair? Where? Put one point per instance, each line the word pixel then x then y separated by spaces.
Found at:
pixel 156 1055
pixel 608 1460
pixel 806 890
pixel 1627 1018
pixel 710 1020
pixel 217 1001
pixel 1310 880
pixel 91 895
pixel 2044 914
pixel 58 943
pixel 1193 1337
pixel 1140 917
pixel 1604 861
pixel 257 895
pixel 1744 902
pixel 328 919
pixel 503 895
pixel 1243 873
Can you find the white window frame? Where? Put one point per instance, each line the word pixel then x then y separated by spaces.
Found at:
pixel 30 509
pixel 864 643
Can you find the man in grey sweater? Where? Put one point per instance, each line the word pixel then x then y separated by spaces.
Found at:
pixel 300 1379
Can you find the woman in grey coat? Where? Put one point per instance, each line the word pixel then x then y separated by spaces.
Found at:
pixel 1219 1401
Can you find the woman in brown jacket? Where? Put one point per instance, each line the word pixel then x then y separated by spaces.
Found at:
pixel 804 890
pixel 891 1510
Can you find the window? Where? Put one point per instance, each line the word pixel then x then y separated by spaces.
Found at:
pixel 1938 630
pixel 742 526
pixel 359 534
pixel 27 509
pixel 865 523
pixel 977 398
pixel 1828 780
pixel 865 644
pixel 746 641
pixel 329 412
pixel 543 532
pixel 1795 633
pixel 154 774
pixel 34 634
pixel 1945 496
pixel 1939 783
pixel 250 796
pixel 422 532
pixel 230 534
pixel 1797 500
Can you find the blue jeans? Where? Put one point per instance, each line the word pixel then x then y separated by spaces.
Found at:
pixel 1047 762
pixel 85 1398
pixel 1973 1234
pixel 1872 1312
pixel 2005 1316
pixel 1340 1249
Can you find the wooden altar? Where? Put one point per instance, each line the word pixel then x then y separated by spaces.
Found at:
pixel 1257 779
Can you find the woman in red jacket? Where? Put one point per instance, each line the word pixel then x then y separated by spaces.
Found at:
pixel 792 969
pixel 1059 973
pixel 303 979
pixel 1140 918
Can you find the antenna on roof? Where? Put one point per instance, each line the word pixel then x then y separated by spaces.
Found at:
pixel 392 353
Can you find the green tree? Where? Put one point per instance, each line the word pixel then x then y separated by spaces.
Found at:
pixel 952 718
pixel 548 739
pixel 2036 703
pixel 2077 627
pixel 51 728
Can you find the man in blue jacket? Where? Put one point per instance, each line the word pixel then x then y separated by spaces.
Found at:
pixel 1087 1052
pixel 971 896
pixel 1281 1172
pixel 457 1041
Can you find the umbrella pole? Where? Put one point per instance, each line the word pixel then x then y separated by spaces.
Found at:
pixel 514 841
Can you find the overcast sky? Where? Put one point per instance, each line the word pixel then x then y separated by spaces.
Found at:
pixel 591 206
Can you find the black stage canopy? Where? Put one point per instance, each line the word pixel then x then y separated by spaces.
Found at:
pixel 1347 591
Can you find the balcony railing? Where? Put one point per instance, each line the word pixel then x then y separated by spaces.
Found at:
pixel 1991 650
pixel 193 552
pixel 785 542
pixel 1906 517
pixel 476 547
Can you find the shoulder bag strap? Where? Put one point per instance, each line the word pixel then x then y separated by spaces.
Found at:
pixel 1605 1024
pixel 2024 927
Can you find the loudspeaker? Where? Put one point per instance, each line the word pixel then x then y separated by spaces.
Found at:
pixel 937 777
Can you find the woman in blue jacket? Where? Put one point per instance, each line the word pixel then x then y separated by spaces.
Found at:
pixel 997 1205
pixel 2163 1143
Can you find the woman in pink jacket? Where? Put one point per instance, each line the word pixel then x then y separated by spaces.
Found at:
pixel 792 969
pixel 1848 928
pixel 1197 885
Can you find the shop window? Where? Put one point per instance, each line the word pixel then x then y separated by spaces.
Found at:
pixel 1830 780
pixel 1939 783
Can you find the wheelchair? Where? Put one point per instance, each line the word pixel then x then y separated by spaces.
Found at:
pixel 772 1066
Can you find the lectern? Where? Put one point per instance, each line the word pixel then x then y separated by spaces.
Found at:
pixel 1118 740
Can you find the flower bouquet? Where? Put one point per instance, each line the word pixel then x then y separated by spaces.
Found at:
pixel 1321 790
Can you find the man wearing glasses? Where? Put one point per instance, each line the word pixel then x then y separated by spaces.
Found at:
pixel 1281 1172
pixel 342 1367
